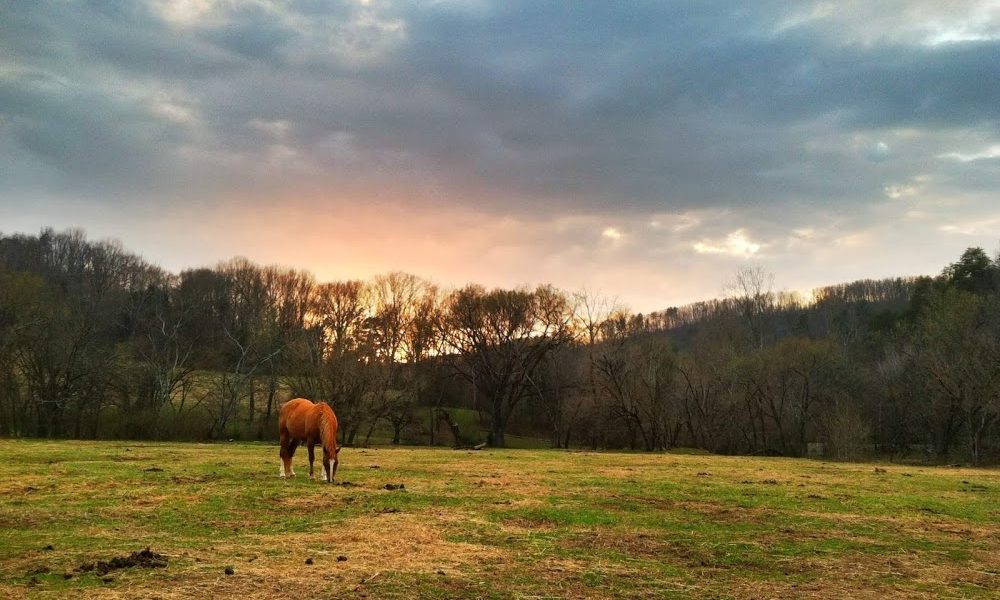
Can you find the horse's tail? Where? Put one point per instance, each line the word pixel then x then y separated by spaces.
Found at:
pixel 282 418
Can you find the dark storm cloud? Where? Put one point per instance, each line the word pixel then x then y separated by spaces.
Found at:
pixel 589 105
pixel 669 105
pixel 252 33
pixel 74 38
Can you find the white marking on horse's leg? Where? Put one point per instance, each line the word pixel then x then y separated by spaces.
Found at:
pixel 281 470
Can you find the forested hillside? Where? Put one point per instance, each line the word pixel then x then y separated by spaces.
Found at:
pixel 95 342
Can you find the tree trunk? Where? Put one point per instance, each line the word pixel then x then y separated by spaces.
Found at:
pixel 271 391
pixel 433 424
pixel 497 436
pixel 251 407
pixel 452 426
pixel 371 429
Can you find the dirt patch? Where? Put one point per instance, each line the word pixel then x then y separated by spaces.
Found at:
pixel 150 501
pixel 145 559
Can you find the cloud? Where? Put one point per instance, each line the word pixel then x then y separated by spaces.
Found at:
pixel 897 191
pixel 985 154
pixel 973 227
pixel 855 240
pixel 612 233
pixel 878 151
pixel 642 111
pixel 737 243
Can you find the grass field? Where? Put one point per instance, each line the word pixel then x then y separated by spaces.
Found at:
pixel 491 524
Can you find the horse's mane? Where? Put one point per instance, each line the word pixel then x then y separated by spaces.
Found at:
pixel 327 433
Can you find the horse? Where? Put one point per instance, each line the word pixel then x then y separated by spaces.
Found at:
pixel 302 421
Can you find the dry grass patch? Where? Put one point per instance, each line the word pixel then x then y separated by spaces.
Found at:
pixel 406 542
pixel 636 544
pixel 896 575
pixel 375 548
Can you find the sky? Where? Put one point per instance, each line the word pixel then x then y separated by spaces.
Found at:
pixel 643 150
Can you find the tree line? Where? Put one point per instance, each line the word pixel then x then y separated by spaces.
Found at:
pixel 96 342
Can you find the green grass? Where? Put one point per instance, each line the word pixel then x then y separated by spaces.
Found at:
pixel 490 524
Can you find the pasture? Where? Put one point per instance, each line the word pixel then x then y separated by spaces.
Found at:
pixel 488 524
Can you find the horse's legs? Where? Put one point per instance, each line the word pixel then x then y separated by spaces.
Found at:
pixel 312 458
pixel 282 449
pixel 288 446
pixel 330 465
pixel 291 453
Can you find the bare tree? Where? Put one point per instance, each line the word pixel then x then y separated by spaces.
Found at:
pixel 498 338
pixel 956 349
pixel 637 375
pixel 752 292
pixel 290 297
pixel 343 358
pixel 563 398
pixel 244 314
pixel 394 302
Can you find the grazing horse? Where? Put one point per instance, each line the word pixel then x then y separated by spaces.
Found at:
pixel 302 421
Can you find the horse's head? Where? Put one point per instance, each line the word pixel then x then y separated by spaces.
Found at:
pixel 331 458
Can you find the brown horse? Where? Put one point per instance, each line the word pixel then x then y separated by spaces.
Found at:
pixel 301 421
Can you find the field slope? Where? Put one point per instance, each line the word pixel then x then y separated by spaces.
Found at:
pixel 490 524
